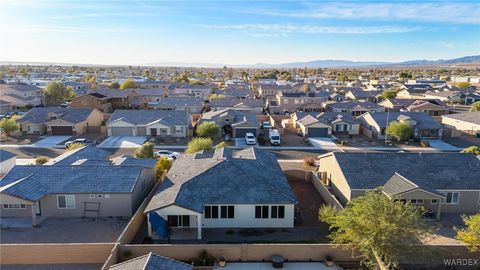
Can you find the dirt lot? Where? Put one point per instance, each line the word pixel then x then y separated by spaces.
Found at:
pixel 309 201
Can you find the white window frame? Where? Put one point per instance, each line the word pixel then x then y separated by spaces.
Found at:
pixel 178 129
pixel 66 205
pixel 9 206
pixel 446 196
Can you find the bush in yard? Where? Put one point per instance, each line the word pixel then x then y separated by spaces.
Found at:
pixel 400 131
pixel 475 107
pixel 163 164
pixel 144 151
pixel 209 130
pixel 41 160
pixel 472 150
pixel 74 146
pixel 199 144
pixel 8 125
pixel 470 235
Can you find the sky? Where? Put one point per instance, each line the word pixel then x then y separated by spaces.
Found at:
pixel 235 32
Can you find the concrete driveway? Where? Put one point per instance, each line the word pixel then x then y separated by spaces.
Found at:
pixel 441 145
pixel 241 143
pixel 323 143
pixel 123 142
pixel 51 141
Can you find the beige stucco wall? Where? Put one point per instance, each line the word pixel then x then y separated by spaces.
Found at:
pixel 338 184
pixel 39 129
pixel 460 125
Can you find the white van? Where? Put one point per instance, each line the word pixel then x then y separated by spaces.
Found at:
pixel 274 137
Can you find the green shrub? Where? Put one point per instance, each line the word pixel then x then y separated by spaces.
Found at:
pixel 74 146
pixel 163 164
pixel 472 150
pixel 199 144
pixel 209 130
pixel 144 151
pixel 41 160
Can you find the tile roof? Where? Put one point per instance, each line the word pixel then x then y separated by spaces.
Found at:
pixel 439 171
pixel 350 105
pixel 359 94
pixel 233 102
pixel 87 152
pixel 424 121
pixel 236 117
pixel 151 261
pixel 5 155
pixel 180 101
pixel 113 93
pixel 248 176
pixel 39 115
pixel 471 117
pixel 144 117
pixel 20 87
pixel 398 184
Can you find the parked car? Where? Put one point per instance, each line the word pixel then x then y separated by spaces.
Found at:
pixel 80 141
pixel 166 153
pixel 266 125
pixel 274 137
pixel 250 139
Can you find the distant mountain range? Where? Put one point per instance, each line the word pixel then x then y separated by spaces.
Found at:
pixel 474 59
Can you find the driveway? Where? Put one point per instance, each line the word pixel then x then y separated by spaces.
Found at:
pixel 323 143
pixel 123 142
pixel 441 145
pixel 51 141
pixel 240 143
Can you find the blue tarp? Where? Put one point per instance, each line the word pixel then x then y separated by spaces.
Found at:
pixel 158 224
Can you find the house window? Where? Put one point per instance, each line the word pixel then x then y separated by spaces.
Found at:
pixel 107 196
pixel 261 211
pixel 416 201
pixel 433 201
pixel 451 197
pixel 92 196
pixel 178 129
pixel 278 211
pixel 14 206
pixel 227 211
pixel 66 201
pixel 99 195
pixel 211 211
pixel 179 221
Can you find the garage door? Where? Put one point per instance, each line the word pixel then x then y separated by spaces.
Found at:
pixel 317 132
pixel 121 131
pixel 62 130
pixel 240 132
pixel 141 131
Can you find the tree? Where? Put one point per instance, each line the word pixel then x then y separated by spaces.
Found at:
pixel 144 151
pixel 217 96
pixel 8 125
pixel 114 85
pixel 73 146
pixel 199 144
pixel 470 235
pixel 400 131
pixel 128 84
pixel 463 85
pixel 380 228
pixel 56 93
pixel 387 94
pixel 472 150
pixel 475 107
pixel 209 130
pixel 163 164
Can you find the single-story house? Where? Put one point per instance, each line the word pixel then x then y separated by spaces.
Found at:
pixel 373 125
pixel 341 123
pixel 445 96
pixel 77 185
pixel 271 89
pixel 372 95
pixel 5 107
pixel 396 104
pixel 441 182
pixel 59 121
pixel 191 105
pixel 233 123
pixel 326 124
pixel 433 107
pixel 412 93
pixel 21 95
pixel 234 92
pixel 255 106
pixel 149 123
pixel 151 261
pixel 7 161
pixel 222 189
pixel 356 108
pixel 462 123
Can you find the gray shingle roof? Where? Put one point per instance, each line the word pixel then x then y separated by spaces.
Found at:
pixel 20 87
pixel 248 176
pixel 113 93
pixel 87 152
pixel 5 155
pixel 39 115
pixel 398 184
pixel 349 105
pixel 151 262
pixel 144 117
pixel 359 94
pixel 236 117
pixel 424 121
pixel 232 102
pixel 471 117
pixel 434 170
pixel 179 101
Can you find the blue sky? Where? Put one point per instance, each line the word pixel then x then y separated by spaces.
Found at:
pixel 236 32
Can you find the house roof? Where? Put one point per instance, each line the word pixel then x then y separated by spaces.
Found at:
pixel 144 117
pixel 233 102
pixel 151 261
pixel 179 101
pixel 226 176
pixel 20 87
pixel 236 92
pixel 88 152
pixel 424 121
pixel 271 86
pixel 113 93
pixel 398 184
pixel 236 117
pixel 333 117
pixel 350 105
pixel 359 94
pixel 438 171
pixel 39 115
pixel 5 155
pixel 398 102
pixel 471 117
pixel 442 93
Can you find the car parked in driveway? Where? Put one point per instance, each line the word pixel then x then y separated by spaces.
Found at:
pixel 274 137
pixel 266 125
pixel 166 153
pixel 80 141
pixel 250 139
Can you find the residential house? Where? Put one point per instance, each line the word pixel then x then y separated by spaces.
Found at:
pixel 21 95
pixel 191 105
pixel 149 123
pixel 396 104
pixel 412 93
pixel 356 108
pixel 240 93
pixel 440 182
pixel 149 84
pixel 60 121
pixel 445 96
pixel 5 107
pixel 301 101
pixel 372 96
pixel 255 106
pixel 470 97
pixel 309 126
pixel 191 90
pixel 223 189
pixel 79 88
pixel 151 261
pixel 373 125
pixel 462 123
pixel 271 90
pixel 432 107
pixel 345 89
pixel 7 161
pixel 123 99
pixel 341 123
pixel 233 123
pixel 83 187
pixel 327 123
pixel 92 100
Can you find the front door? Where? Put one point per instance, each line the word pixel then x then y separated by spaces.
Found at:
pixel 179 221
pixel 38 211
pixel 153 132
